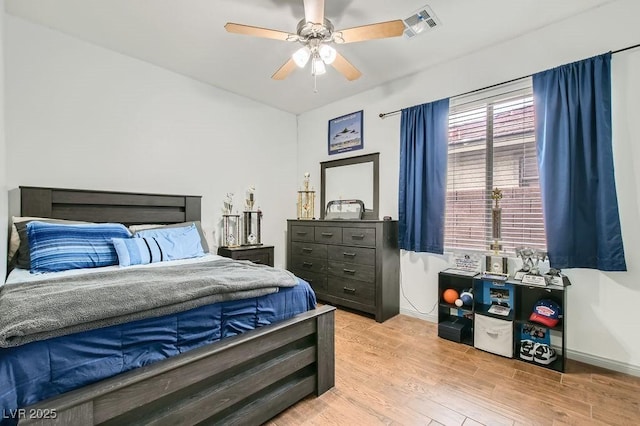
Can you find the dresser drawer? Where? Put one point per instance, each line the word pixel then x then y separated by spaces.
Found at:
pixel 317 281
pixel 308 264
pixel 352 271
pixel 328 234
pixel 309 250
pixel 359 236
pixel 302 233
pixel 357 291
pixel 359 255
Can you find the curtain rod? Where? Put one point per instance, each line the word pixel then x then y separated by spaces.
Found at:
pixel 384 114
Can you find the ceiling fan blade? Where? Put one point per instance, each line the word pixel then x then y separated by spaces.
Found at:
pixel 259 32
pixel 284 70
pixel 345 68
pixel 369 32
pixel 314 11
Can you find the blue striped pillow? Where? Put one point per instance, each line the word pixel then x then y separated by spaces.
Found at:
pixel 56 247
pixel 158 245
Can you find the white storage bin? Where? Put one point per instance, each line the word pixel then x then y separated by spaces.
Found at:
pixel 493 335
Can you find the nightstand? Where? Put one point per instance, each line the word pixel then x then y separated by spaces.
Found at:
pixel 257 254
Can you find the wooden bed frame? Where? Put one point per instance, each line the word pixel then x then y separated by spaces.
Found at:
pixel 245 379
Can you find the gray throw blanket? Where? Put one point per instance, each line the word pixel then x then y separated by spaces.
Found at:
pixel 50 308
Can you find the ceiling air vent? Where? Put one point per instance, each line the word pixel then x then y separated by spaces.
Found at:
pixel 421 21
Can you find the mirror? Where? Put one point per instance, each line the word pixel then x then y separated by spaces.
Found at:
pixel 351 178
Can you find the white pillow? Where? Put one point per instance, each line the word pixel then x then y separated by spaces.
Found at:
pixel 136 228
pixel 14 238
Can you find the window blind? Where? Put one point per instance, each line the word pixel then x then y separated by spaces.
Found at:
pixel 492 145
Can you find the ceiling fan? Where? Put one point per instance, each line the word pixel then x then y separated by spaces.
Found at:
pixel 317 34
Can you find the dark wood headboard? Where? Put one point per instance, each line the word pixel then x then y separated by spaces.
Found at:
pixel 106 206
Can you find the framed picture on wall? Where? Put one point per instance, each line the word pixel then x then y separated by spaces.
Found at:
pixel 345 133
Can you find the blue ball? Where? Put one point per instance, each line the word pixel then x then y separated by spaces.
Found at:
pixel 466 299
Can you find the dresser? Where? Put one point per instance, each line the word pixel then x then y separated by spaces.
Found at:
pixel 355 264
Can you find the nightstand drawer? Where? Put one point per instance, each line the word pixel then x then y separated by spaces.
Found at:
pixel 328 234
pixel 259 257
pixel 359 236
pixel 317 281
pixel 301 263
pixel 309 250
pixel 302 233
pixel 359 255
pixel 257 254
pixel 352 271
pixel 353 290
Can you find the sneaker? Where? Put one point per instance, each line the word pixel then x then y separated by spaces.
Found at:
pixel 527 347
pixel 544 354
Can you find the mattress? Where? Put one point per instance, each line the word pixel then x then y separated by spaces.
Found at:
pixel 43 369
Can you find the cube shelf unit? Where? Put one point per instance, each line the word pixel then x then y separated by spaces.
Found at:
pixel 457 324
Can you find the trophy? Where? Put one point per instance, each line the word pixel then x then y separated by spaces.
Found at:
pixel 250 198
pixel 538 255
pixel 496 264
pixel 533 276
pixel 230 224
pixel 228 203
pixel 555 277
pixel 306 199
pixel 251 221
pixel 524 253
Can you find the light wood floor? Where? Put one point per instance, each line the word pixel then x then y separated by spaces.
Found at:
pixel 401 373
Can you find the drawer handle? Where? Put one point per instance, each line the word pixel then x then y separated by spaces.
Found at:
pixel 349 254
pixel 349 290
pixel 327 234
pixel 349 271
pixel 307 264
pixel 307 249
pixel 256 260
pixel 357 236
pixel 301 232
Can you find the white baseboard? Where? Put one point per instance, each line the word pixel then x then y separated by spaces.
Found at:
pixel 609 364
pixel 416 314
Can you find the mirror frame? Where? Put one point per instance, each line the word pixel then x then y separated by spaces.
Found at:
pixel 374 158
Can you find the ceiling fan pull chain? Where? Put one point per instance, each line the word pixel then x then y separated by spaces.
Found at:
pixel 315 83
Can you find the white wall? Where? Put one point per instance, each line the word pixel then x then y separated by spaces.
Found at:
pixel 602 319
pixel 3 169
pixel 80 116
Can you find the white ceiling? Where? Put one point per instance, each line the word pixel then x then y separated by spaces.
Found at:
pixel 188 37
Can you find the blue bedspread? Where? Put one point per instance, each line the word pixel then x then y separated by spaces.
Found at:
pixel 40 370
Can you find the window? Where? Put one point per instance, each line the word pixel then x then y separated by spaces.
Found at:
pixel 492 145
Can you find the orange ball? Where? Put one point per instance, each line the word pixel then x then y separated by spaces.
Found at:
pixel 450 295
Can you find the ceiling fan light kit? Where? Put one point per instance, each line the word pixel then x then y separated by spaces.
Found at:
pixel 327 53
pixel 317 67
pixel 301 56
pixel 316 33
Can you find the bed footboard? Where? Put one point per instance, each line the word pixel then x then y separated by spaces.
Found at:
pixel 246 379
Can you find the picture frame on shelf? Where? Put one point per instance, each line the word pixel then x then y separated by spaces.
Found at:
pixel 345 133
